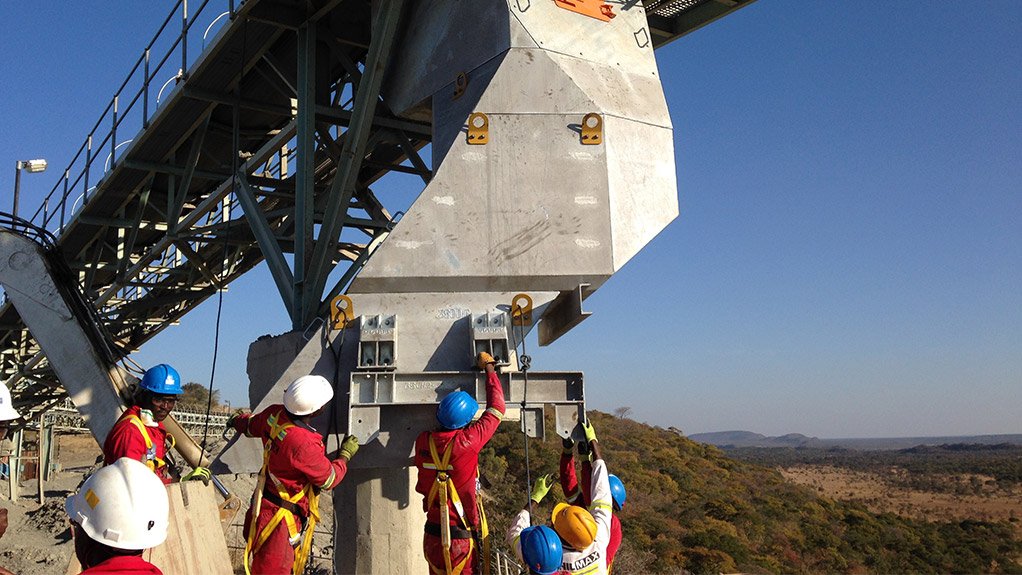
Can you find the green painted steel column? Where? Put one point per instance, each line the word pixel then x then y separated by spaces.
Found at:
pixel 304 178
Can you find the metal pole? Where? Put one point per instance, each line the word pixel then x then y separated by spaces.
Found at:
pixel 41 446
pixel 15 463
pixel 17 185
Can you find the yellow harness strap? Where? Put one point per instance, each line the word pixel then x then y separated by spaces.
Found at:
pixel 151 460
pixel 255 542
pixel 444 490
pixel 484 532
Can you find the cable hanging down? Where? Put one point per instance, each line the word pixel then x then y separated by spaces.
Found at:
pixel 524 363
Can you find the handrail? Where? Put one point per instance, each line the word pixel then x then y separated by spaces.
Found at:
pixel 114 115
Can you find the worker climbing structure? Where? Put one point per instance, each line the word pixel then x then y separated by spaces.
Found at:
pixel 551 164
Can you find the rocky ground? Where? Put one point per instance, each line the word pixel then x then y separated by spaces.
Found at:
pixel 38 539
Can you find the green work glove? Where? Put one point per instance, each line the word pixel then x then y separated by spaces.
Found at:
pixel 198 474
pixel 234 416
pixel 543 485
pixel 349 447
pixel 590 431
pixel 569 445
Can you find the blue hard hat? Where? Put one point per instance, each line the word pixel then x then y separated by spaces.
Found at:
pixel 456 410
pixel 617 492
pixel 162 379
pixel 541 549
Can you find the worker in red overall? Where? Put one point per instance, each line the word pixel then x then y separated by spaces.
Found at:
pixel 448 462
pixel 119 511
pixel 575 496
pixel 285 504
pixel 139 433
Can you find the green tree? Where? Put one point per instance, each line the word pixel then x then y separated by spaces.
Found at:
pixel 196 396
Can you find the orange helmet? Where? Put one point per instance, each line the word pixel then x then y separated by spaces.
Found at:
pixel 575 525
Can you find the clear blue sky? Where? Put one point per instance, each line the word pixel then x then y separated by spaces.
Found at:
pixel 848 259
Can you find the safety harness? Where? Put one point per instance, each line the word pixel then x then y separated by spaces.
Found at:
pixel 444 490
pixel 151 460
pixel 287 506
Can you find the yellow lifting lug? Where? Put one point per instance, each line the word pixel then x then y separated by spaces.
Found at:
pixel 478 128
pixel 341 311
pixel 460 85
pixel 521 310
pixel 592 129
pixel 593 8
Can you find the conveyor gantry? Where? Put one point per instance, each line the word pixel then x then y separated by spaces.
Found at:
pixel 155 212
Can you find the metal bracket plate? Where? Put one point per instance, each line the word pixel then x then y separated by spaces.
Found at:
pixel 394 396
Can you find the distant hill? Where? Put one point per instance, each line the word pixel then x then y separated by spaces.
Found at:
pixel 693 509
pixel 737 439
pixel 750 439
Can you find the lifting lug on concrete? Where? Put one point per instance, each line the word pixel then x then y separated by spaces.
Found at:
pixel 341 311
pixel 592 8
pixel 521 310
pixel 592 129
pixel 460 85
pixel 478 128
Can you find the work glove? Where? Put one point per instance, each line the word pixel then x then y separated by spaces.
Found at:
pixel 590 431
pixel 484 359
pixel 349 447
pixel 569 445
pixel 583 449
pixel 198 474
pixel 234 416
pixel 542 487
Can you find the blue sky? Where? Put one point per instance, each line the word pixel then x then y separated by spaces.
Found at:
pixel 848 258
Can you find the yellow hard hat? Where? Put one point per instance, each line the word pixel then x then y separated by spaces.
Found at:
pixel 575 525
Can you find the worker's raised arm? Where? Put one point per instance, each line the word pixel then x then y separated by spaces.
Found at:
pixel 601 506
pixel 569 482
pixel 478 433
pixel 240 420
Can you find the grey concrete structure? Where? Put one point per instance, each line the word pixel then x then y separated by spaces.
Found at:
pixel 552 166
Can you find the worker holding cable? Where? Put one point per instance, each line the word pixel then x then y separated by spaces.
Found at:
pixel 285 504
pixel 585 533
pixel 580 496
pixel 139 434
pixel 538 546
pixel 456 534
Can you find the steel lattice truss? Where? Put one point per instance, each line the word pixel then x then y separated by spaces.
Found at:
pixel 215 180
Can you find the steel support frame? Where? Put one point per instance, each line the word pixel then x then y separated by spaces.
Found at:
pixel 377 397
pixel 367 95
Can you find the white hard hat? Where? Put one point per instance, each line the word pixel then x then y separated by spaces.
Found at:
pixel 307 394
pixel 7 411
pixel 123 505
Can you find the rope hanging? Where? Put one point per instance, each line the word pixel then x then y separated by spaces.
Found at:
pixel 524 363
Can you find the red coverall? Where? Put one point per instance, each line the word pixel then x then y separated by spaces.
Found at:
pixel 124 564
pixel 125 440
pixel 468 442
pixel 296 461
pixel 569 484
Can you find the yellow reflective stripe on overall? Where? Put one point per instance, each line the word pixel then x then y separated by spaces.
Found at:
pixel 443 487
pixel 151 460
pixel 484 532
pixel 254 542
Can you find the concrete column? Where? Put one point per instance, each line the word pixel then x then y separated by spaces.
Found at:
pixel 378 522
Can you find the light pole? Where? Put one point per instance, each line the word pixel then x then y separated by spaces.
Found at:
pixel 33 167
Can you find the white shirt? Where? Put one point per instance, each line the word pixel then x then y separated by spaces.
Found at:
pixel 593 559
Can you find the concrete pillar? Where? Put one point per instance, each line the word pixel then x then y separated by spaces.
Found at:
pixel 378 522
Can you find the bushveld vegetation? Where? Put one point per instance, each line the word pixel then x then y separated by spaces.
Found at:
pixel 692 507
